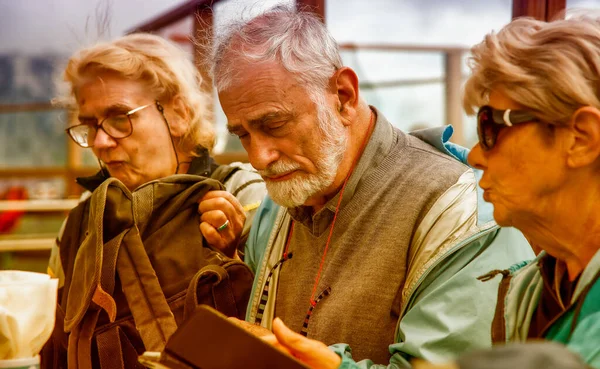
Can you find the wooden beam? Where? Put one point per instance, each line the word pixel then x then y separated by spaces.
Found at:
pixel 184 10
pixel 315 6
pixel 403 47
pixel 529 8
pixel 454 113
pixel 27 107
pixel 366 85
pixel 544 10
pixel 27 244
pixel 44 172
pixel 63 205
pixel 555 9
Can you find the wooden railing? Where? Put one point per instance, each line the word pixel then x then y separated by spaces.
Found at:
pixel 39 241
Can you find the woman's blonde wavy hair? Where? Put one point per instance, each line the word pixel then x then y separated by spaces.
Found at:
pixel 551 68
pixel 162 66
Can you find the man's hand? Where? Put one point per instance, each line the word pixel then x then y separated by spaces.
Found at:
pixel 222 221
pixel 313 353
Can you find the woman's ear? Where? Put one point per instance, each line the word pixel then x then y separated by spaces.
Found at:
pixel 584 144
pixel 179 119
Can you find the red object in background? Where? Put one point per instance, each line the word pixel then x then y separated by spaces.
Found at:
pixel 10 219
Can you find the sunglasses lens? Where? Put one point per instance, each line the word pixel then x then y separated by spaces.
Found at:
pixel 486 129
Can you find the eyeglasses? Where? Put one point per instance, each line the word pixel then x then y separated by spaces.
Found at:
pixel 490 121
pixel 116 126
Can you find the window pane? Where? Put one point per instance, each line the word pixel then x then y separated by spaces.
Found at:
pixel 406 107
pixel 32 139
pixel 587 4
pixel 27 79
pixel 404 85
pixel 436 24
pixel 423 22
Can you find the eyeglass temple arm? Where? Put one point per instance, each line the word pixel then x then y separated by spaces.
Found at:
pixel 509 117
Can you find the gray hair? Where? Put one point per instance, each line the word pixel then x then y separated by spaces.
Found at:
pixel 550 68
pixel 297 40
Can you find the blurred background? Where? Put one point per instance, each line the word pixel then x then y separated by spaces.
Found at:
pixel 410 55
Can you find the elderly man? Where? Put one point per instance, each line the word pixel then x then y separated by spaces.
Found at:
pixel 373 237
pixel 138 105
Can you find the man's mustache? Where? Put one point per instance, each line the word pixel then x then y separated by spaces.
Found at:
pixel 279 168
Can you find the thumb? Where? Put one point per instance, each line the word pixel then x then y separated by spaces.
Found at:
pixel 313 353
pixel 287 337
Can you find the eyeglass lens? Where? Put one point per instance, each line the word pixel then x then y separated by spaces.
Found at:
pixel 118 126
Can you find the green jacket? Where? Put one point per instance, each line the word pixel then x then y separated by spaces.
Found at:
pixel 578 328
pixel 445 310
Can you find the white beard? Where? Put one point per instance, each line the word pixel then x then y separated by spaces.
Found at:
pixel 297 190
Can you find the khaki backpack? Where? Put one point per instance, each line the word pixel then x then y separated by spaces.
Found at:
pixel 136 266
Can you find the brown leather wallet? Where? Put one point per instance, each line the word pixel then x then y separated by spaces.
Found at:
pixel 207 340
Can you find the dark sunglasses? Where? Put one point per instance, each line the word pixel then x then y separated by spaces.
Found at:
pixel 490 121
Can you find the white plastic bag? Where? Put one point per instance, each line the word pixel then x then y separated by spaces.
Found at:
pixel 27 312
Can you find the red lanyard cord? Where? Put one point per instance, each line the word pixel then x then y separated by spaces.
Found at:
pixel 337 209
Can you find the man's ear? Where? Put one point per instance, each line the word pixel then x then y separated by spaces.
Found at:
pixel 584 144
pixel 345 84
pixel 180 117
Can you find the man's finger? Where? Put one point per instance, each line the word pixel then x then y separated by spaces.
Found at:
pixel 216 218
pixel 218 203
pixel 212 236
pixel 225 195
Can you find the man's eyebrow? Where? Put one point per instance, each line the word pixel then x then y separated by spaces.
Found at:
pixel 260 121
pixel 269 117
pixel 235 130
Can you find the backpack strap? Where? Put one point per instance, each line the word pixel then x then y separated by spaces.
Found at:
pixel 151 313
pixel 222 173
pixel 69 243
pixel 215 277
pixel 110 353
pixel 115 349
pixel 80 341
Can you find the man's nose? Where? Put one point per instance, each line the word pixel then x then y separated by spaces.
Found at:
pixel 477 158
pixel 261 152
